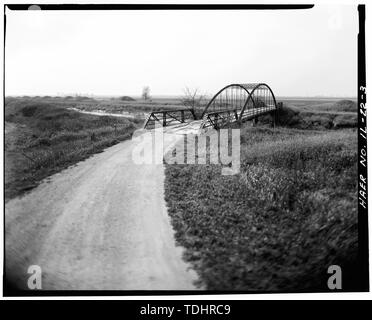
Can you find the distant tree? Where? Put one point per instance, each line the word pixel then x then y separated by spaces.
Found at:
pixel 146 93
pixel 193 100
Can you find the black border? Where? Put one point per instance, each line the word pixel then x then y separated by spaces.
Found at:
pixel 162 6
pixel 240 309
pixel 362 144
pixel 363 277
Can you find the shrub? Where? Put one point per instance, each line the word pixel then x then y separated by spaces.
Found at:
pixel 126 98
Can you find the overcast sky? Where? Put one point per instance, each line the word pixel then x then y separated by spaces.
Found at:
pixel 298 53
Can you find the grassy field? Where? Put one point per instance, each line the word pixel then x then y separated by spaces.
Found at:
pixel 43 137
pixel 326 104
pixel 314 114
pixel 110 105
pixel 277 225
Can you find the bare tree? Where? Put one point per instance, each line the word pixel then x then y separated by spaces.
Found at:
pixel 193 100
pixel 146 93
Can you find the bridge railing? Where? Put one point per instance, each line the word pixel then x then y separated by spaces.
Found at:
pixel 251 113
pixel 169 117
pixel 218 119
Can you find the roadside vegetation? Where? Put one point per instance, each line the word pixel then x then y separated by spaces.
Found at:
pixel 277 225
pixel 42 138
pixel 328 115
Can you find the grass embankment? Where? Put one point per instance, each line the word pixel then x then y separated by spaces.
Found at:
pixel 317 115
pixel 331 105
pixel 277 225
pixel 136 107
pixel 44 138
pixel 109 105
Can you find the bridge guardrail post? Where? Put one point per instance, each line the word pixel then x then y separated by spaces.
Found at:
pixel 273 119
pixel 193 114
pixel 254 121
pixel 215 121
pixel 236 115
pixel 164 119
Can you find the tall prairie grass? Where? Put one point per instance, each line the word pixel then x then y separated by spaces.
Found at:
pixel 277 225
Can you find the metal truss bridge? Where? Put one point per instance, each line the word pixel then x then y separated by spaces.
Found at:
pixel 233 103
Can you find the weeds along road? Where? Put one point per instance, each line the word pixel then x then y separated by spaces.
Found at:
pixel 101 224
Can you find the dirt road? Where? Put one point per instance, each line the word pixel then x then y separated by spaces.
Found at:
pixel 101 224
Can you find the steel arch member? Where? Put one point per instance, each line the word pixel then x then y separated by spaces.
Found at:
pixel 250 89
pixel 252 97
pixel 241 86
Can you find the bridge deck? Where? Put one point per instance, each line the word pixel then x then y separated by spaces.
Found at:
pixel 214 119
pixel 221 118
